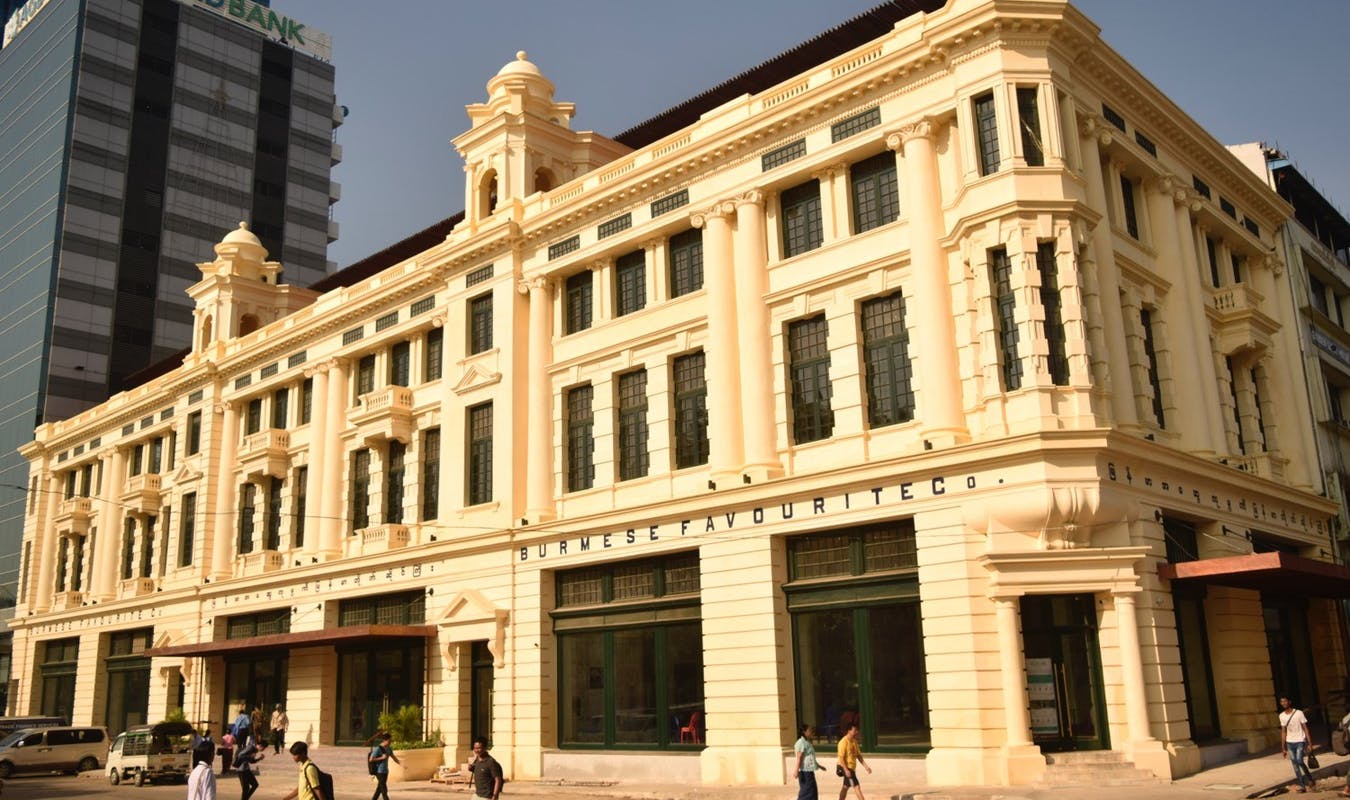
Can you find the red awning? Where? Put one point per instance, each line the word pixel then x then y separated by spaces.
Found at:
pixel 354 634
pixel 1277 573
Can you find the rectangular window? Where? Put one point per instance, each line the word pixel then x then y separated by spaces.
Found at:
pixel 431 474
pixel 580 439
pixel 1029 116
pixel 156 455
pixel 1210 250
pixel 247 500
pixel 62 558
pixel 71 480
pixel 137 459
pixel 128 546
pixel 480 454
pixel 803 230
pixel 686 262
pixel 691 410
pixel 281 408
pixel 782 155
pixel 478 276
pixel 365 376
pixel 393 482
pixel 272 529
pixel 1056 359
pixel 360 512
pixel 1237 406
pixel 301 500
pixel 578 301
pixel 400 364
pixel 480 324
pixel 890 393
pixel 1154 377
pixel 630 283
pixel 1237 268
pixel 187 529
pixel 633 458
pixel 1256 376
pixel 876 194
pixel 1127 200
pixel 986 133
pixel 253 416
pixel 809 371
pixel 1005 318
pixel 306 400
pixel 431 358
pixel 857 123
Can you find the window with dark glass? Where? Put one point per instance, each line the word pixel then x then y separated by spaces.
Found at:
pixel 1005 318
pixel 156 455
pixel 691 410
pixel 857 638
pixel 802 227
pixel 360 512
pixel 400 608
pixel 147 546
pixel 301 501
pixel 630 652
pixel 187 529
pixel 890 393
pixel 137 459
pixel 1056 358
pixel 431 474
pixel 580 438
pixel 1210 248
pixel 1237 406
pixel 809 371
pixel 1154 376
pixel 1256 376
pixel 281 408
pixel 432 357
pixel 306 400
pixel 480 324
pixel 394 472
pixel 261 623
pixel 128 547
pixel 247 500
pixel 578 302
pixel 365 375
pixel 630 283
pixel 253 416
pixel 1237 268
pixel 686 262
pixel 876 193
pixel 400 364
pixel 1131 212
pixel 986 133
pixel 480 454
pixel 1317 294
pixel 633 458
pixel 1029 120
pixel 272 528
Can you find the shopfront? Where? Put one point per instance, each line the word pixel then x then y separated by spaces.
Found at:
pixel 378 677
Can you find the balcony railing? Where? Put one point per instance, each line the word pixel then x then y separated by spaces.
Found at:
pixel 266 453
pixel 142 494
pixel 72 516
pixel 385 414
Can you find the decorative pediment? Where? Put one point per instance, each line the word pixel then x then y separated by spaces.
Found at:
pixel 186 474
pixel 170 638
pixel 472 617
pixel 475 377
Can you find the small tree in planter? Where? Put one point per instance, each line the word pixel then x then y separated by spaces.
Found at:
pixel 418 756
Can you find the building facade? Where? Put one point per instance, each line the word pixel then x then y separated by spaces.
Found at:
pixel 126 125
pixel 884 383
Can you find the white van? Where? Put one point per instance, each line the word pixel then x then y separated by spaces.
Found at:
pixel 151 752
pixel 61 749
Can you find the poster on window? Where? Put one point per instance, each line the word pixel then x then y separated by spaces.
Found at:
pixel 1041 693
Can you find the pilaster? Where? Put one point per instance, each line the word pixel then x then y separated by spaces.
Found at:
pixel 727 454
pixel 539 422
pixel 754 340
pixel 221 558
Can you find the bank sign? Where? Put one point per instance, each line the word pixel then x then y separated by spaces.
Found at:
pixel 271 24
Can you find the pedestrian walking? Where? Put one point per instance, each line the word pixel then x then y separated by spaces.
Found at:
pixel 249 755
pixel 307 783
pixel 487 773
pixel 201 782
pixel 1294 742
pixel 849 759
pixel 806 766
pixel 280 724
pixel 379 763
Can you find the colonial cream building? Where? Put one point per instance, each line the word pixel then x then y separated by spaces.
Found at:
pixel 941 374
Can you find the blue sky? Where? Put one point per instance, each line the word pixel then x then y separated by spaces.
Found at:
pixel 1246 70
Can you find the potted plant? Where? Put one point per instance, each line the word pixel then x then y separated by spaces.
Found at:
pixel 418 755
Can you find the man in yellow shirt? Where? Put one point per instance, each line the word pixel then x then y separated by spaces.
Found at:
pixel 307 786
pixel 849 759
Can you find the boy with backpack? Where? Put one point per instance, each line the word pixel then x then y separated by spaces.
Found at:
pixel 313 783
pixel 379 765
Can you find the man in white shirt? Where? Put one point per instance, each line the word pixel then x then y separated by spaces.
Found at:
pixel 1294 742
pixel 202 782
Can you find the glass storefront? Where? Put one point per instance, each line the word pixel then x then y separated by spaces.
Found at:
pixel 381 676
pixel 58 666
pixel 128 671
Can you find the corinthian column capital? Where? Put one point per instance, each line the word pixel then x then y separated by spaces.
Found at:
pixel 918 129
pixel 722 209
pixel 754 197
pixel 537 283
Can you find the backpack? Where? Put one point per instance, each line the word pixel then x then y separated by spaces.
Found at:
pixel 244 756
pixel 372 765
pixel 325 785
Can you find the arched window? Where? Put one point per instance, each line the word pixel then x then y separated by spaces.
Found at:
pixel 544 180
pixel 247 324
pixel 206 331
pixel 487 193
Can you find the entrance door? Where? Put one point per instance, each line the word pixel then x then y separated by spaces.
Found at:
pixel 254 681
pixel 373 682
pixel 1064 675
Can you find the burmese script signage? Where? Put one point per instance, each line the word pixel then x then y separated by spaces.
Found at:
pixel 272 25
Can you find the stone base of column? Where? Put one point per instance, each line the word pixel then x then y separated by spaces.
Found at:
pixel 759 473
pixel 1023 764
pixel 1185 758
pixel 743 766
pixel 968 766
pixel 1153 756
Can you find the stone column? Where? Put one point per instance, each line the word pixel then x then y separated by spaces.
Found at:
pixel 1146 751
pixel 318 456
pixel 727 454
pixel 941 408
pixel 225 507
pixel 1185 199
pixel 755 344
pixel 1024 761
pixel 1121 390
pixel 103 566
pixel 47 553
pixel 539 420
pixel 332 519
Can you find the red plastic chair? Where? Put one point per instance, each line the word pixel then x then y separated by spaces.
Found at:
pixel 689 733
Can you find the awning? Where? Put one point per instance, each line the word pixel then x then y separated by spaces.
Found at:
pixel 1277 573
pixel 353 634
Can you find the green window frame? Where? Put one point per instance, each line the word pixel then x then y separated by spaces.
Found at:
pixel 253 416
pixel 247 499
pixel 400 364
pixel 578 305
pixel 398 608
pixel 890 391
pixel 803 229
pixel 1131 211
pixel 194 433
pixel 306 400
pixel 394 472
pixel 281 407
pixel 300 496
pixel 272 528
pixel 360 515
pixel 365 375
pixel 580 438
pixel 633 456
pixel 431 474
pixel 986 133
pixel 630 283
pixel 686 262
pixel 1005 318
pixel 480 324
pixel 691 410
pixel 1154 376
pixel 259 623
pixel 480 454
pixel 1056 358
pixel 1029 119
pixel 876 192
pixel 809 376
pixel 433 356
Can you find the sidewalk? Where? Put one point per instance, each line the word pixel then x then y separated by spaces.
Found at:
pixel 1260 776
